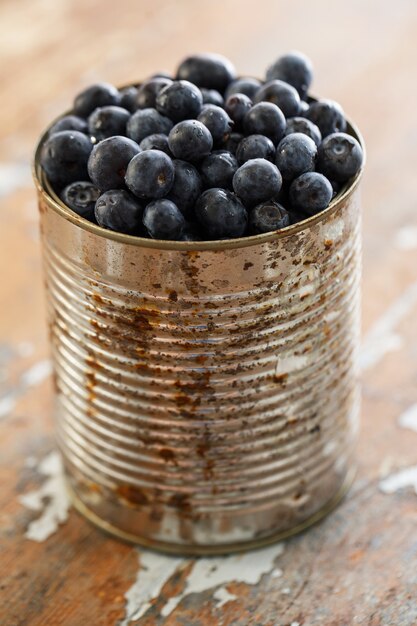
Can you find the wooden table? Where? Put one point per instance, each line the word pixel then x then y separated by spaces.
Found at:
pixel 358 566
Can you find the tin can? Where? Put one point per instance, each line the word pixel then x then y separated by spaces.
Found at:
pixel 207 393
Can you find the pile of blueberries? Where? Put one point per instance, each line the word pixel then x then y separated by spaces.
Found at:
pixel 205 155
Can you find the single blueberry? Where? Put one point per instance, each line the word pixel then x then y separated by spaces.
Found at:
pixel 266 119
pixel 181 100
pixel 69 122
pixel 157 141
pixel 221 214
pixel 268 216
pixel 304 106
pixel 212 96
pixel 340 157
pixel 108 162
pixel 255 147
pixel 310 193
pixel 218 168
pixel 282 94
pixel 246 85
pixel 187 186
pixel 81 197
pixel 232 142
pixel 150 174
pixel 129 98
pixel 296 154
pixel 108 121
pixel 302 125
pixel 328 116
pixel 237 105
pixel 64 156
pixel 118 210
pixel 257 180
pixel 147 122
pixel 163 220
pixel 99 95
pixel 211 71
pixel 148 91
pixel 293 68
pixel 190 140
pixel 217 121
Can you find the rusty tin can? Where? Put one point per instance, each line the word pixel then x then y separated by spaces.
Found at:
pixel 207 393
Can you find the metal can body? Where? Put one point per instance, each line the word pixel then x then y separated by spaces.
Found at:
pixel 207 393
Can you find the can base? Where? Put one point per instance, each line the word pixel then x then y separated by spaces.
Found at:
pixel 212 550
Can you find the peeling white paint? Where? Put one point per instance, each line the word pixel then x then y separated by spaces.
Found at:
pixel 404 478
pixel 223 597
pixel 406 238
pixel 51 498
pixel 409 418
pixel 290 363
pixel 333 231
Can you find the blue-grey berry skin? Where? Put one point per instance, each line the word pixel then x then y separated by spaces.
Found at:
pixel 157 141
pixel 190 141
pixel 99 95
pixel 129 99
pixel 328 116
pixel 181 100
pixel 310 193
pixel 267 217
pixel 237 105
pixel 187 186
pixel 81 198
pixel 191 232
pixel 212 71
pixel 108 162
pixel 297 216
pixel 64 157
pixel 246 85
pixel 218 168
pixel 150 174
pixel 69 122
pixel 148 91
pixel 163 220
pixel 340 157
pixel 302 125
pixel 147 122
pixel 304 106
pixel 256 181
pixel 217 121
pixel 108 121
pixel 118 210
pixel 282 94
pixel 221 214
pixel 255 147
pixel 293 68
pixel 266 119
pixel 212 96
pixel 296 154
pixel 232 142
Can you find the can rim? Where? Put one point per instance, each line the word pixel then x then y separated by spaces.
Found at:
pixel 45 190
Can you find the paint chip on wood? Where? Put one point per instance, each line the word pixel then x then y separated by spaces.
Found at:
pixel 409 418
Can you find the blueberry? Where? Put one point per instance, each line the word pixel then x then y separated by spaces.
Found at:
pixel 296 154
pixel 340 157
pixel 181 100
pixel 310 193
pixel 108 162
pixel 304 106
pixel 257 180
pixel 232 142
pixel 162 74
pixel 218 168
pixel 118 210
pixel 129 99
pixel 221 214
pixel 237 105
pixel 212 96
pixel 336 186
pixel 255 147
pixel 69 122
pixel 266 119
pixel 157 141
pixel 190 232
pixel 302 125
pixel 297 216
pixel 150 174
pixel 328 116
pixel 293 68
pixel 99 95
pixel 147 91
pixel 64 157
pixel 211 71
pixel 268 216
pixel 81 197
pixel 190 140
pixel 187 186
pixel 282 94
pixel 147 122
pixel 108 121
pixel 217 121
pixel 163 220
pixel 246 85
